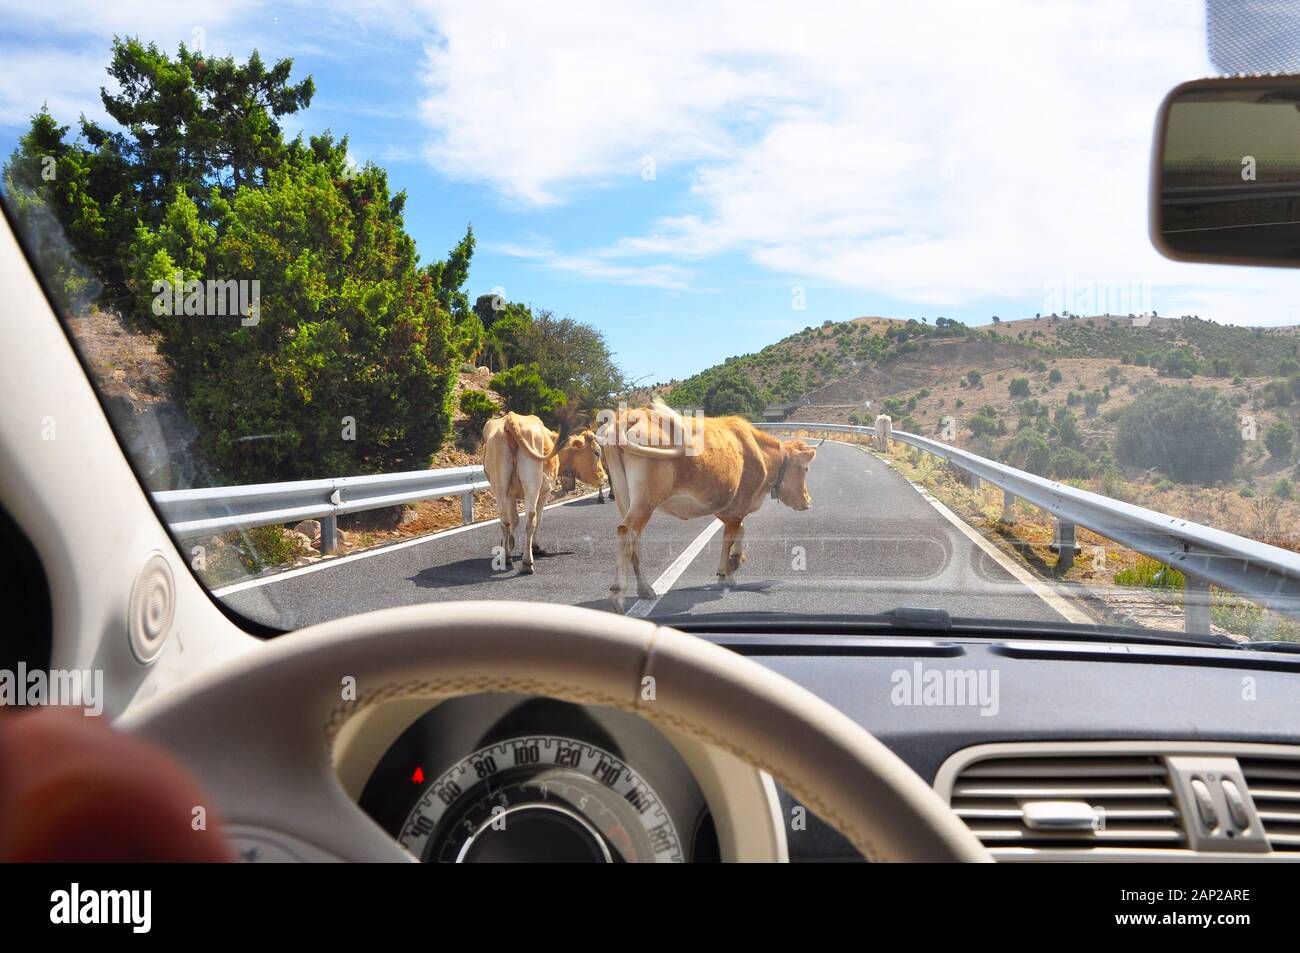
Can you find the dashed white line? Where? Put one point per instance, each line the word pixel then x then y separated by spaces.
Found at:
pixel 643 607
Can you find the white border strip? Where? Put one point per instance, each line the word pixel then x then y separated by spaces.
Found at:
pixel 374 551
pixel 1039 588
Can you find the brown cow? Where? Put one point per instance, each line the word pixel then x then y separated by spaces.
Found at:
pixel 520 459
pixel 709 466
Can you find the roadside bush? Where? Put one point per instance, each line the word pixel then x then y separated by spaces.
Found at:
pixel 1028 451
pixel 1280 440
pixel 1189 433
pixel 984 426
pixel 524 391
pixel 1019 387
pixel 1068 464
pixel 1150 574
pixel 1067 429
pixel 477 408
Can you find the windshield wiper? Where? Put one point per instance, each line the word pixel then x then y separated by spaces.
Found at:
pixel 922 621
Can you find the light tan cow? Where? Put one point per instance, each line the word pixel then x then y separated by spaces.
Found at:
pixel 521 462
pixel 709 466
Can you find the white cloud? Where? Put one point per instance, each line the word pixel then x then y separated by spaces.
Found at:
pixel 938 152
pixel 56 53
pixel 598 267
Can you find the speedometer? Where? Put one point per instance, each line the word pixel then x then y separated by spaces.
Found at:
pixel 541 797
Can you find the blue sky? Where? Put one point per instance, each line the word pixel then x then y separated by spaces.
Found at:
pixel 686 176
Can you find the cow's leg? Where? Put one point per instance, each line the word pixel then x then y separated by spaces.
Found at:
pixel 629 563
pixel 507 514
pixel 538 548
pixel 532 479
pixel 732 535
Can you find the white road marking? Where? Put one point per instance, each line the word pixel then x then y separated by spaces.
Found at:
pixel 377 551
pixel 1054 600
pixel 1035 585
pixel 643 607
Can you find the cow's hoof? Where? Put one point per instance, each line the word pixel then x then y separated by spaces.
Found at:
pixel 526 569
pixel 645 592
pixel 726 582
pixel 540 550
pixel 616 603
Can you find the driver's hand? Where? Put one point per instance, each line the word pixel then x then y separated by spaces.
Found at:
pixel 74 789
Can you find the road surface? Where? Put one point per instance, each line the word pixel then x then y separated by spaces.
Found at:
pixel 870 543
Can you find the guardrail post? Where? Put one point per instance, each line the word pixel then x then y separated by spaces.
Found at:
pixel 1196 605
pixel 974 483
pixel 329 534
pixel 1064 544
pixel 467 508
pixel 1008 506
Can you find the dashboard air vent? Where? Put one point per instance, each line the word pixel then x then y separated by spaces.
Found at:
pixel 1274 785
pixel 1074 802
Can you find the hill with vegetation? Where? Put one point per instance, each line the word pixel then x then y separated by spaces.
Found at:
pixel 1106 399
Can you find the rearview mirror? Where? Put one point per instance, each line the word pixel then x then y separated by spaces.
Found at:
pixel 1226 172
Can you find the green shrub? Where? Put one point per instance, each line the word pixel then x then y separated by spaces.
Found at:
pixel 1280 440
pixel 523 391
pixel 1028 451
pixel 1150 574
pixel 1067 463
pixel 1187 432
pixel 478 409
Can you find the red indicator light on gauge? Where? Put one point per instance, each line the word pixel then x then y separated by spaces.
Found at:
pixel 418 776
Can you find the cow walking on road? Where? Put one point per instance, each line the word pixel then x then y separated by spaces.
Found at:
pixel 520 459
pixel 721 467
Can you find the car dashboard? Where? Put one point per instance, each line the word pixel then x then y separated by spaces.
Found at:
pixel 1049 750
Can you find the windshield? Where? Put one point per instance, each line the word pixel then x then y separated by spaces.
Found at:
pixel 686 311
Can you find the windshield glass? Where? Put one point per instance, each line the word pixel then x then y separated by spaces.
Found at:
pixel 699 296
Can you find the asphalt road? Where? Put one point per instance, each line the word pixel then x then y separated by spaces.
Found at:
pixel 869 543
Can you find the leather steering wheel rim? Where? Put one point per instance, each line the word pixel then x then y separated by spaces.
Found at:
pixel 259 730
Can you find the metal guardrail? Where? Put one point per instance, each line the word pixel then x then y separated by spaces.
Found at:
pixel 1266 575
pixel 220 509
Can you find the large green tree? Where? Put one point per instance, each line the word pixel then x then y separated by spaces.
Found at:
pixel 346 365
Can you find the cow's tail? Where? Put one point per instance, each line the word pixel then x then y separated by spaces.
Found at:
pixel 512 429
pixel 668 419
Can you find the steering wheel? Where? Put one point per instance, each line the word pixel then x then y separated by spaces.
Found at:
pixel 259 730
